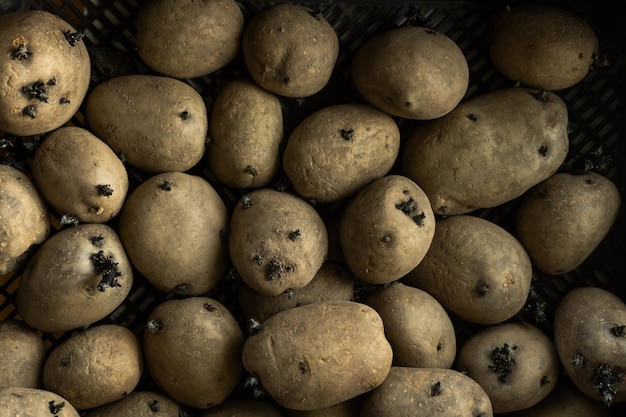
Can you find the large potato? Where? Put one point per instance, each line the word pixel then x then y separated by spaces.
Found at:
pixel 22 355
pixel 320 354
pixel 139 404
pixel 489 150
pixel 33 402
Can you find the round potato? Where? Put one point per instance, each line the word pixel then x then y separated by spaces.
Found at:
pixel 45 72
pixel 79 174
pixel 290 50
pixel 542 46
pixel 24 222
pixel 188 39
pixel 562 220
pixel 339 149
pixel 98 366
pixel 139 404
pixel 386 229
pixel 246 129
pixel 22 355
pixel 411 72
pixel 77 277
pixel 158 123
pixel 172 226
pixel 244 407
pixel 193 350
pixel 33 402
pixel 320 354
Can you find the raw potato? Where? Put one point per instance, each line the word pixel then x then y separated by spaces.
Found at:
pixel 277 241
pixel 489 150
pixel 515 363
pixel 24 222
pixel 542 46
pixel 348 408
pixel 193 350
pixel 246 129
pixel 320 354
pixel 98 366
pixel 244 407
pixel 426 392
pixel 590 337
pixel 139 404
pixel 386 229
pixel 290 50
pixel 33 402
pixel 158 123
pixel 339 149
pixel 475 269
pixel 77 277
pixel 172 226
pixel 416 325
pixel 22 355
pixel 45 72
pixel 563 219
pixel 79 174
pixel 411 72
pixel 188 39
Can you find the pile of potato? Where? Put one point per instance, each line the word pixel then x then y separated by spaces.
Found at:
pixel 336 266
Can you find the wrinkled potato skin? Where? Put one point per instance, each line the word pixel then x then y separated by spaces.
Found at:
pixel 489 150
pixel 408 391
pixel 542 46
pixel 244 407
pixel 188 39
pixel 69 166
pixel 33 402
pixel 563 219
pixel 475 269
pixel 22 355
pixel 339 149
pixel 24 222
pixel 246 129
pixel 436 82
pixel 319 355
pixel 138 404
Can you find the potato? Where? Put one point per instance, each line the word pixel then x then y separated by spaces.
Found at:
pixel 22 355
pixel 475 269
pixel 339 149
pixel 172 226
pixel 542 46
pixel 489 150
pixel 244 407
pixel 411 72
pixel 246 129
pixel 24 222
pixel 426 392
pixel 45 71
pixel 139 404
pixel 158 123
pixel 386 229
pixel 79 174
pixel 515 363
pixel 77 277
pixel 33 402
pixel 348 408
pixel 277 241
pixel 290 50
pixel 188 39
pixel 193 350
pixel 416 325
pixel 590 337
pixel 320 354
pixel 100 365
pixel 562 220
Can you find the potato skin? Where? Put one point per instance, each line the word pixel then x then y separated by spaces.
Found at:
pixel 319 354
pixel 562 220
pixel 542 46
pixel 489 150
pixel 244 407
pixel 476 269
pixel 33 402
pixel 348 408
pixel 339 149
pixel 22 355
pixel 139 404
pixel 436 83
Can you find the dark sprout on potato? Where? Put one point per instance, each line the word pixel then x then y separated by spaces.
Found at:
pixel 619 331
pixel 154 326
pixel 347 133
pixel 254 326
pixel 182 289
pixel 543 150
pixel 38 90
pixel 21 52
pixel 435 389
pixel 108 269
pixel 258 259
pixel 250 169
pixel 606 380
pixel 97 241
pixel 73 37
pixel 407 207
pixel 419 219
pixel 545 380
pixel 185 115
pixel 253 383
pixel 64 100
pixel 209 307
pixel 166 186
pixel 30 111
pixel 502 362
pixel 105 190
pixel 154 405
pixel 55 408
pixel 69 220
pixel 295 235
pixel 578 359
pixel 245 201
pixel 542 96
pixel 482 289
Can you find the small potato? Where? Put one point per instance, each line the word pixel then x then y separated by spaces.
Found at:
pixel 100 365
pixel 79 174
pixel 426 392
pixel 33 402
pixel 476 269
pixel 158 123
pixel 246 129
pixel 339 149
pixel 244 407
pixel 386 229
pixel 318 355
pixel 22 355
pixel 562 220
pixel 139 404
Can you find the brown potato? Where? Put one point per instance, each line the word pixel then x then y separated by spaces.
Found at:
pixel 244 407
pixel 33 402
pixel 22 355
pixel 139 404
pixel 348 408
